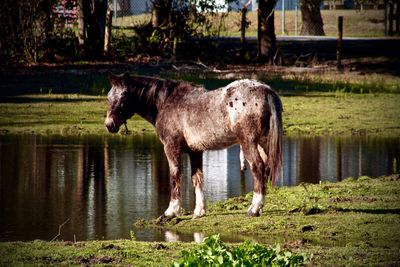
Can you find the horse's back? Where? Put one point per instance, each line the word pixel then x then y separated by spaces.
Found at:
pixel 247 103
pixel 213 119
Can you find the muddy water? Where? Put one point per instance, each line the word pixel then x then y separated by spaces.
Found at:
pixel 99 186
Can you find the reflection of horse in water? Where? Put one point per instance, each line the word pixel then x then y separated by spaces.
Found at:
pixel 189 119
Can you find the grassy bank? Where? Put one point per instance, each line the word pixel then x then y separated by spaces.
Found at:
pixel 306 114
pixel 354 222
pixel 350 223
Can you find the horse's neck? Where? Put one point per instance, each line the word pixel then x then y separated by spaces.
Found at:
pixel 148 93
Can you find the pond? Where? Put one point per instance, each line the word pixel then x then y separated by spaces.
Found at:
pixel 99 186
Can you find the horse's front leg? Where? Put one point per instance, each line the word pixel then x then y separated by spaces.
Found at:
pixel 174 161
pixel 196 163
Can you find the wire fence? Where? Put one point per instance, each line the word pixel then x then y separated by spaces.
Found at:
pixel 366 20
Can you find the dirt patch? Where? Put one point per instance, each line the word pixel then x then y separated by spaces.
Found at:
pixel 96 260
pixel 295 244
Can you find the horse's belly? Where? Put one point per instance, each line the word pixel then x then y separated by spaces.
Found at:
pixel 209 140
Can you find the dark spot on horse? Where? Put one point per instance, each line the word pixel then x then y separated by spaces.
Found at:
pixel 229 92
pixel 236 99
pixel 256 105
pixel 231 104
pixel 244 104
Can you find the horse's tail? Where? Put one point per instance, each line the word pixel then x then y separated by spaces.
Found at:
pixel 275 136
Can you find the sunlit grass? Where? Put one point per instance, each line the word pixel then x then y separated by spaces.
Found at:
pixel 316 114
pixel 355 221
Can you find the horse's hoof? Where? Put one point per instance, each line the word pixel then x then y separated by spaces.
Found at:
pixel 199 213
pixel 252 213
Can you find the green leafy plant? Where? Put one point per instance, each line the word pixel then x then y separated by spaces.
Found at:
pixel 214 252
pixel 132 235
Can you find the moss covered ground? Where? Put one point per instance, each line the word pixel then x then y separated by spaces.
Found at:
pixel 350 223
pixel 354 222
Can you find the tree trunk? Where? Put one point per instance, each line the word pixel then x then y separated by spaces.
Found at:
pixel 311 18
pixel 266 31
pixel 398 17
pixel 125 7
pixel 92 21
pixel 160 13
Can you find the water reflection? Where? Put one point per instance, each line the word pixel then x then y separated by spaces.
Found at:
pixel 101 185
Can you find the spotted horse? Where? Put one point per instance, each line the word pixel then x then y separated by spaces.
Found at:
pixel 190 119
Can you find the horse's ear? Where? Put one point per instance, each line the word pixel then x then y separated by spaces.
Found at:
pixel 125 75
pixel 112 77
pixel 117 79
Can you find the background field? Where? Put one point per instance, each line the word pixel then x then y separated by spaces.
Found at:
pixel 367 23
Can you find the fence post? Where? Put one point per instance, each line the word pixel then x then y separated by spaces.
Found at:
pixel 296 19
pixel 283 17
pixel 107 35
pixel 115 9
pixel 243 23
pixel 391 18
pixel 339 43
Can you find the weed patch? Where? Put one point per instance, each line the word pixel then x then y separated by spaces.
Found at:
pixel 214 252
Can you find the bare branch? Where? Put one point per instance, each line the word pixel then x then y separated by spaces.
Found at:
pixel 59 229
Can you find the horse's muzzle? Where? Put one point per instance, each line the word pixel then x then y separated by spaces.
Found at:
pixel 111 126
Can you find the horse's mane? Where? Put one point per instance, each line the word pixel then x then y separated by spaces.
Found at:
pixel 156 90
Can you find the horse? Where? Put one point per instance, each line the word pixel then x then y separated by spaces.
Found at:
pixel 190 119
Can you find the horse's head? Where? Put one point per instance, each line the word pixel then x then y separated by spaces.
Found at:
pixel 119 102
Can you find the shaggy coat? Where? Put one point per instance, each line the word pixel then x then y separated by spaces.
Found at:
pixel 189 119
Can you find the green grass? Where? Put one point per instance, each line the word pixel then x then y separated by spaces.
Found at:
pixel 354 222
pixel 368 23
pixel 60 114
pixel 109 253
pixel 350 223
pixel 342 115
pixel 313 114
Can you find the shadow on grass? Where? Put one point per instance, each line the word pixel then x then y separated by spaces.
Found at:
pixel 289 87
pixel 45 99
pixel 371 211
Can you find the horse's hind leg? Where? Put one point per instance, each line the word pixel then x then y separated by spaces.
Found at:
pixel 256 163
pixel 263 148
pixel 196 162
pixel 242 160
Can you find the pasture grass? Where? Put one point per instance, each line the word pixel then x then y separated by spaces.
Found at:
pixel 312 114
pixel 349 223
pixel 367 23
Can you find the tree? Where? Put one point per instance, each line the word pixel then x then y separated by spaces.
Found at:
pixel 312 23
pixel 24 30
pixel 266 31
pixel 160 13
pixel 92 21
